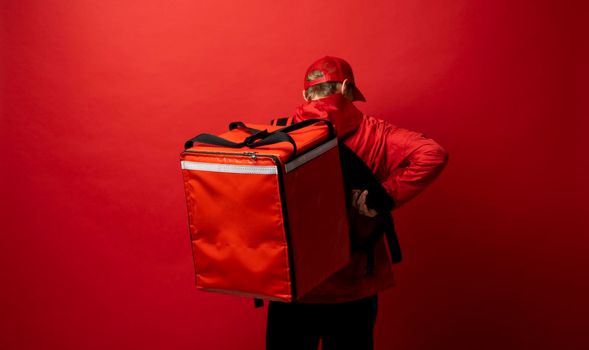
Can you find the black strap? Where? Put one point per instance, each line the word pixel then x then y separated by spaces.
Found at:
pixel 211 140
pixel 216 140
pixel 264 137
pixel 357 175
pixel 282 121
pixel 307 122
pixel 258 302
pixel 219 141
pixel 392 240
pixel 276 137
pixel 250 141
pixel 234 125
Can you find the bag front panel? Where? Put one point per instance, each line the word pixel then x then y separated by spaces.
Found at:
pixel 236 225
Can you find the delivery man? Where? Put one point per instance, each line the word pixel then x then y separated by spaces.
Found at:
pixel 341 311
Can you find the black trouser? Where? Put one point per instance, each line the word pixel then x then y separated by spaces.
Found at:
pixel 298 326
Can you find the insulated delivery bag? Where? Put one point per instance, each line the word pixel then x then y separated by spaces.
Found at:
pixel 266 209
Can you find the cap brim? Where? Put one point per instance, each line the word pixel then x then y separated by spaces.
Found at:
pixel 358 96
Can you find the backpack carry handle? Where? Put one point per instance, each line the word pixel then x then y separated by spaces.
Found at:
pixel 307 122
pixel 276 137
pixel 261 138
pixel 235 125
pixel 264 137
pixel 219 141
pixel 289 127
pixel 211 140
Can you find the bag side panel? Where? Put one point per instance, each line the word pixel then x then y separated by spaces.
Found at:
pixel 318 220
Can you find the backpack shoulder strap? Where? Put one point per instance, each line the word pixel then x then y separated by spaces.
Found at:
pixel 282 121
pixel 258 303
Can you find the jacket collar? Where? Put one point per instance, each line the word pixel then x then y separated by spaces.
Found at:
pixel 340 111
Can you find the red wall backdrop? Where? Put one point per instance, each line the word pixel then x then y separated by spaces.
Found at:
pixel 99 96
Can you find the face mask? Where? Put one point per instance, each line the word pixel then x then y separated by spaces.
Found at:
pixel 340 111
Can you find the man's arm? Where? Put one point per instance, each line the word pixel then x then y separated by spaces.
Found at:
pixel 414 161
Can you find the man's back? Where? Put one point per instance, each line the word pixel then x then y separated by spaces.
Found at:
pixel 342 310
pixel 399 159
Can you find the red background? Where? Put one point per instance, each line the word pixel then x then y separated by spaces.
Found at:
pixel 99 96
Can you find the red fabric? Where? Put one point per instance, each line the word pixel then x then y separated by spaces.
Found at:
pixel 333 69
pixel 237 226
pixel 405 161
pixel 335 108
pixel 306 138
pixel 225 259
pixel 319 237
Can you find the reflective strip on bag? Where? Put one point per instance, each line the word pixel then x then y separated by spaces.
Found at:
pixel 229 168
pixel 310 155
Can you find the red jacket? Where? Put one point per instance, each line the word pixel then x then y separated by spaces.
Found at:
pixel 405 162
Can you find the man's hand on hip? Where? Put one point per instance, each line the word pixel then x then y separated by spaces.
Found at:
pixel 359 202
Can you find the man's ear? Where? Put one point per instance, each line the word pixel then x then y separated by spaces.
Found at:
pixel 345 86
pixel 346 89
pixel 305 96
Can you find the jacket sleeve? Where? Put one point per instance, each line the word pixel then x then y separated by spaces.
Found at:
pixel 413 162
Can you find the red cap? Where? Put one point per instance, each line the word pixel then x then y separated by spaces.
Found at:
pixel 333 69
